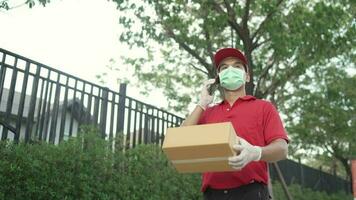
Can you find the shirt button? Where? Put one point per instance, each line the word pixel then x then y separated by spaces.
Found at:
pixel 228 109
pixel 225 191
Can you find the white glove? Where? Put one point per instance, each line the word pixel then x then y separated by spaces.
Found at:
pixel 248 153
pixel 205 98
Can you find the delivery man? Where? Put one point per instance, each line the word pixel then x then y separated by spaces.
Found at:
pixel 261 133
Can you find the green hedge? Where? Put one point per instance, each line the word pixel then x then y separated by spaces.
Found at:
pixel 300 193
pixel 85 168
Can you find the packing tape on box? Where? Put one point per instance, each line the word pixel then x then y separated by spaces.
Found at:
pixel 200 160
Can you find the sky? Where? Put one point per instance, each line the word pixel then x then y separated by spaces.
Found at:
pixel 77 37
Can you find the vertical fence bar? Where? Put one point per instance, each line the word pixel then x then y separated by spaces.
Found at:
pixel 128 133
pixel 31 112
pixel 158 128
pixel 177 121
pixel 118 117
pixel 162 128
pixel 10 99
pixel 72 109
pixel 39 111
pixel 172 122
pixel 121 109
pixel 81 115
pixel 88 117
pixel 134 131
pixel 22 103
pixel 140 125
pixel 104 111
pixel 111 133
pixel 168 121
pixel 53 130
pixel 48 114
pixel 42 132
pixel 153 121
pixel 2 75
pixel 301 172
pixel 321 184
pixel 96 107
pixel 64 111
pixel 145 126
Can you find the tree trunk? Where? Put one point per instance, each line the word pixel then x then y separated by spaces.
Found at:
pixel 347 167
pixel 248 53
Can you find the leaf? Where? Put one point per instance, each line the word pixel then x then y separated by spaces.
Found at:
pixel 295 36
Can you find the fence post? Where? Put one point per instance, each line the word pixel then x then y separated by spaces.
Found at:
pixel 301 172
pixel 104 111
pixel 321 187
pixel 121 110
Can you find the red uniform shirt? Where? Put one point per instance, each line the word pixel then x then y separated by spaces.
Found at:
pixel 255 120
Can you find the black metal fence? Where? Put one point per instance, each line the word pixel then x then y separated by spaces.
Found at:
pixel 316 179
pixel 38 102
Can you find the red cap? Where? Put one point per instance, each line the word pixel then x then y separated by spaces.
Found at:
pixel 221 54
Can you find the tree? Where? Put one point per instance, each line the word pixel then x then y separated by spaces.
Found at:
pixel 4 4
pixel 281 39
pixel 322 114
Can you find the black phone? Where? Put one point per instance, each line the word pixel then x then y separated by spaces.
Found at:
pixel 213 87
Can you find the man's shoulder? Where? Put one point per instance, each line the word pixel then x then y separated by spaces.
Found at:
pixel 263 101
pixel 263 104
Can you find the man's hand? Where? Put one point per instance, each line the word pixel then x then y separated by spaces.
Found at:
pixel 205 98
pixel 246 154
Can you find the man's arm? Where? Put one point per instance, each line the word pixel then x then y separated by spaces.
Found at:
pixel 193 118
pixel 246 153
pixel 275 151
pixel 205 100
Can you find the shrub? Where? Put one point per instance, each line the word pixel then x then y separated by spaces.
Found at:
pixel 302 193
pixel 86 168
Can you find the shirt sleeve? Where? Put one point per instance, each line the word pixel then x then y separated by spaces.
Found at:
pixel 273 126
pixel 202 118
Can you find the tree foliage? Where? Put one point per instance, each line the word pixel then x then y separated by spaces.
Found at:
pixel 5 5
pixel 281 39
pixel 322 114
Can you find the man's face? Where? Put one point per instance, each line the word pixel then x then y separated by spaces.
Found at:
pixel 234 62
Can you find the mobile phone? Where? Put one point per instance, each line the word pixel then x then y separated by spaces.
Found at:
pixel 213 87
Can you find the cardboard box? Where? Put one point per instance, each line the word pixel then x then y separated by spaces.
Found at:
pixel 200 148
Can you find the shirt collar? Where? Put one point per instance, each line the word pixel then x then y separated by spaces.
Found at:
pixel 244 98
